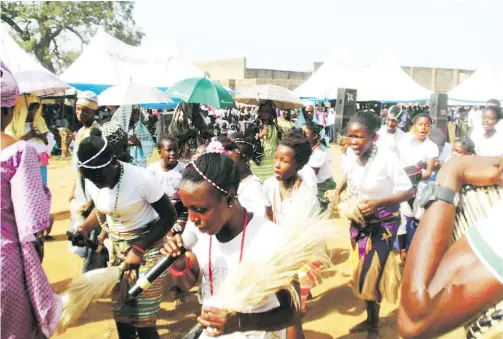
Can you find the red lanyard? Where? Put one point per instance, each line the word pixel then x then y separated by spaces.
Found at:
pixel 243 235
pixel 314 147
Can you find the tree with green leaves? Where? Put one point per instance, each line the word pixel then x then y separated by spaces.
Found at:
pixel 42 27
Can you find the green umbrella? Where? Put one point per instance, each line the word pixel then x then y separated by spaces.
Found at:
pixel 202 91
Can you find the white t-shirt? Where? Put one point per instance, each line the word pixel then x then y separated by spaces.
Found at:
pixel 384 177
pixel 170 180
pixel 138 190
pixel 304 196
pixel 251 196
pixel 320 159
pixel 411 150
pixel 475 119
pixel 446 153
pixel 348 159
pixel 225 257
pixel 331 117
pixel 389 140
pixel 488 147
pixel 309 177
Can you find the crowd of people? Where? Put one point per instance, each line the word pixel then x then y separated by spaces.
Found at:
pixel 229 177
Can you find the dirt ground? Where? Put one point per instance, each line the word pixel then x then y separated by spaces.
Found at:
pixel 331 313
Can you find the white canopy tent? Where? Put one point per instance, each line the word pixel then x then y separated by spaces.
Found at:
pixel 107 61
pixel 337 72
pixel 31 76
pixel 384 80
pixel 486 83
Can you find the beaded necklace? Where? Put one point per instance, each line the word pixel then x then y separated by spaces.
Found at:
pixel 114 209
pixel 355 190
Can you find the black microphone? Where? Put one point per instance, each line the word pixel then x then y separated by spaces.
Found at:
pixel 189 240
pixel 79 240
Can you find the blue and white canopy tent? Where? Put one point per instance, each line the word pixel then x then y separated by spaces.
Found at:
pixel 383 80
pixel 486 83
pixel 107 61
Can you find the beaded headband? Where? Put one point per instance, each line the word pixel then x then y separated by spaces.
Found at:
pixel 213 147
pixel 206 178
pixel 84 163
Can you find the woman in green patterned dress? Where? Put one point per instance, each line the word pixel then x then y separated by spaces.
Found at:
pixel 269 136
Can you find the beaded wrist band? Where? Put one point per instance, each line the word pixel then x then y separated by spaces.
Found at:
pixel 138 249
pixel 188 266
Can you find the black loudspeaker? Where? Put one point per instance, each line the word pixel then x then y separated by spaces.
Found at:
pixel 345 107
pixel 438 110
pixel 164 121
pixel 439 105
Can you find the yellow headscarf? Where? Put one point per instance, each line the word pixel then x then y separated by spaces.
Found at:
pixel 16 127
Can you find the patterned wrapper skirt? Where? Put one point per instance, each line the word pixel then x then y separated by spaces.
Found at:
pixel 143 311
pixel 375 274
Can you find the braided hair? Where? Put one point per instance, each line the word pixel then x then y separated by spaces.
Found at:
pixel 117 139
pixel 94 154
pixel 218 169
pixel 316 129
pixel 267 106
pixel 467 144
pixel 114 133
pixel 299 143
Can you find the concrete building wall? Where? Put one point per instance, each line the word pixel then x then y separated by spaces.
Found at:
pixel 260 73
pixel 437 79
pixel 234 74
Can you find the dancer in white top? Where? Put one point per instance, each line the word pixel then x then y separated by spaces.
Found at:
pixel 320 161
pixel 488 141
pixel 415 148
pixel 286 185
pixel 378 183
pixel 226 233
pixel 389 134
pixel 168 171
pixel 138 215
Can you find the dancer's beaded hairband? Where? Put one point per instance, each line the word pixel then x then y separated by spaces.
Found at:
pixel 213 147
pixel 84 163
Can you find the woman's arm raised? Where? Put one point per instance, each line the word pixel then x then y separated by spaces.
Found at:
pixel 444 286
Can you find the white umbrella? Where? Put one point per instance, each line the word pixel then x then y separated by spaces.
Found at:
pixel 39 83
pixel 282 97
pixel 132 94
